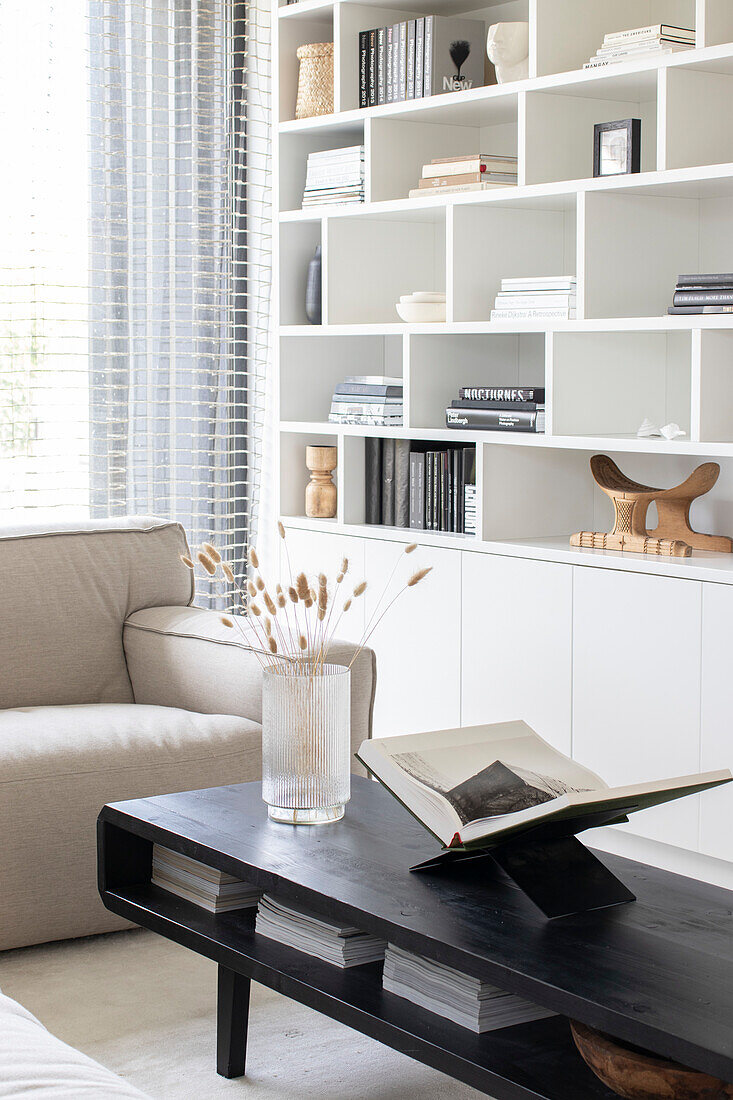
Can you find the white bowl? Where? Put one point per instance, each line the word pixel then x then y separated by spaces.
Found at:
pixel 417 313
pixel 424 296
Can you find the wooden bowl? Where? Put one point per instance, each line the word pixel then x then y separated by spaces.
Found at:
pixel 636 1075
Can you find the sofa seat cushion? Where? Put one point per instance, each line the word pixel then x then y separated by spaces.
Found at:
pixel 34 1063
pixel 60 765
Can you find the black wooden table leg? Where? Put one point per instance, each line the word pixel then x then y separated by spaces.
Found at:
pixel 231 1023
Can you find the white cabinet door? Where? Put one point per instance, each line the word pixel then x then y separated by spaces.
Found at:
pixel 716 807
pixel 418 642
pixel 636 688
pixel 314 552
pixel 517 644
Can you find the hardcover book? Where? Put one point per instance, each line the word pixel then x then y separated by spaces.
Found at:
pixel 402 483
pixel 372 67
pixel 454 54
pixel 417 490
pixel 372 480
pixel 388 482
pixel 382 65
pixel 410 81
pixel 475 787
pixel 363 68
pixel 495 419
pixel 502 393
pixel 389 83
pixel 419 58
pixel 402 71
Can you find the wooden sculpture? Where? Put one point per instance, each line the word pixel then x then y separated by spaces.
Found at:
pixel 673 535
pixel 320 492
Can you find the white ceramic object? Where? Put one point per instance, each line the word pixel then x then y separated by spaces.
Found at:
pixel 507 46
pixel 423 296
pixel 418 313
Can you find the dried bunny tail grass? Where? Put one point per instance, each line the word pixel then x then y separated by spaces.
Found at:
pixel 253 559
pixel 212 552
pixel 256 611
pixel 339 578
pixel 347 605
pixel 303 641
pixel 322 599
pixel 321 614
pixel 322 580
pixel 260 583
pixel 227 571
pixel 301 586
pixel 186 561
pixel 308 602
pixel 411 547
pixel 272 644
pixel 281 529
pixel 293 595
pixel 278 588
pixel 226 620
pixel 268 625
pixel 312 594
pixel 207 563
pixel 360 589
pixel 281 601
pixel 345 565
pixel 269 603
pixel 251 589
pixel 418 576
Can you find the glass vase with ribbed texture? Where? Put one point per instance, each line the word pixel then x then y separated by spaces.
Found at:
pixel 306 744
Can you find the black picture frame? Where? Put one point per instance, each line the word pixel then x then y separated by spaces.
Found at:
pixel 631 130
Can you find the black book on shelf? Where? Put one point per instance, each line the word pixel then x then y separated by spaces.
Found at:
pixel 410 81
pixel 417 490
pixel 495 420
pixel 697 310
pixel 504 406
pixel 402 483
pixel 438 490
pixel 502 393
pixel 372 67
pixel 428 491
pixel 457 458
pixel 706 279
pixel 708 297
pixel 388 484
pixel 373 480
pixel 381 65
pixel 446 491
pixel 363 68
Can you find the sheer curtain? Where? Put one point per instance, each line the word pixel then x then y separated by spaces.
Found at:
pixel 135 311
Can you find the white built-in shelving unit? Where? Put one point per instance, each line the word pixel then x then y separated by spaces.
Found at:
pixel 625 238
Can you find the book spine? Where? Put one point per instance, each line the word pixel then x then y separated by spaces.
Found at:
pixel 372 67
pixel 381 65
pixel 417 490
pixel 500 406
pixel 502 393
pixel 427 83
pixel 536 301
pixel 389 66
pixel 659 29
pixel 410 82
pixel 368 390
pixel 451 181
pixel 402 483
pixel 703 297
pixel 437 485
pixel 693 310
pixel 372 480
pixel 457 491
pixel 708 279
pixel 532 314
pixel 388 485
pixel 419 57
pixel 402 75
pixel 428 491
pixel 494 419
pixel 363 68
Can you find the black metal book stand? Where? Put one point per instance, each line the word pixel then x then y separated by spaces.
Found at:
pixel 550 865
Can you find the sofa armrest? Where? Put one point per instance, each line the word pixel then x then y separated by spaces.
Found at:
pixel 185 657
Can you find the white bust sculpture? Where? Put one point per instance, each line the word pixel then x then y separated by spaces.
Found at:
pixel 507 45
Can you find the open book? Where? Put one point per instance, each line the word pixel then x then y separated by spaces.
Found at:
pixel 479 785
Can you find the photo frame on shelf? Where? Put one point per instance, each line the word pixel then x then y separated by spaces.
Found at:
pixel 617 147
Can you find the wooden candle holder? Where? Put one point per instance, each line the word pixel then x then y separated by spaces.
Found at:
pixel 320 492
pixel 673 536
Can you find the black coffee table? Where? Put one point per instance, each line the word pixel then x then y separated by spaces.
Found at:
pixel 657 972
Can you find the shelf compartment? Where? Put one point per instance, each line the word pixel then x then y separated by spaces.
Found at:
pixel 523 237
pixel 440 365
pixel 606 383
pixel 311 368
pixel 293 159
pixel 294 474
pixel 716 386
pixel 528 492
pixel 699 128
pixel 559 125
pixel 717 23
pixel 373 261
pixel 298 242
pixel 292 33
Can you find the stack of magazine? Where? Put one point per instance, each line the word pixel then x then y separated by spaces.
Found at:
pixel 458 997
pixel 334 177
pixel 205 886
pixel 468 172
pixel 339 944
pixel 642 44
pixel 367 399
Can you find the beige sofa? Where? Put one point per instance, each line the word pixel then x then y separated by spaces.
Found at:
pixel 112 686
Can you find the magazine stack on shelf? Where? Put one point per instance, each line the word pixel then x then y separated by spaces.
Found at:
pixel 470 172
pixel 340 945
pixel 368 399
pixel 708 292
pixel 334 176
pixel 458 997
pixel 498 408
pixel 205 886
pixel 543 298
pixel 641 44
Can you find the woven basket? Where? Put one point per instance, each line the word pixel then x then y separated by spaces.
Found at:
pixel 315 80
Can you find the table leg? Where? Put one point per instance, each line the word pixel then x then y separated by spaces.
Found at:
pixel 231 1022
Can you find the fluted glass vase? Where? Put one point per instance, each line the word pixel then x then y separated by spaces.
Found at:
pixel 306 737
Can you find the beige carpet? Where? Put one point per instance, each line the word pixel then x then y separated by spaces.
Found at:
pixel 145 1008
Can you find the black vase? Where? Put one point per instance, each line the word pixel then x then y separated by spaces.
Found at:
pixel 313 289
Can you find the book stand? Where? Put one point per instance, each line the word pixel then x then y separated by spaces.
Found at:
pixel 550 865
pixel 673 535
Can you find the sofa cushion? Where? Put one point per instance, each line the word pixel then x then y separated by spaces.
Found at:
pixel 64 595
pixel 34 1063
pixel 60 765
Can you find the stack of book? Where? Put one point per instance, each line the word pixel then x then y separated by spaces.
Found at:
pixel 498 408
pixel 704 293
pixel 542 298
pixel 205 886
pixel 471 172
pixel 367 399
pixel 420 57
pixel 334 176
pixel 339 944
pixel 458 997
pixel 641 44
pixel 410 484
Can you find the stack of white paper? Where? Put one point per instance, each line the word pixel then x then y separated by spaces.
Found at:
pixel 339 944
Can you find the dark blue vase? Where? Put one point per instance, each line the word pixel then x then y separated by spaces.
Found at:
pixel 313 289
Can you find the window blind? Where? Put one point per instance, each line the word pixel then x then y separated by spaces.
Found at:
pixel 135 260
